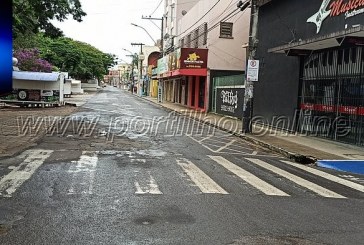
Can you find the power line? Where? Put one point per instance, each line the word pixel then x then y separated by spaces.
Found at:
pixel 159 4
pixel 200 18
pixel 227 17
pixel 226 9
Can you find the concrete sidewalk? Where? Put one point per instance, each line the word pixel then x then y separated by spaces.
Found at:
pixel 79 99
pixel 301 148
pixel 17 130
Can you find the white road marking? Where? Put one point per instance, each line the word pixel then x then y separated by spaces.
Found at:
pixel 83 174
pixel 211 143
pixel 150 188
pixel 225 146
pixel 202 180
pixel 203 139
pixel 327 176
pixel 298 180
pixel 251 179
pixel 34 159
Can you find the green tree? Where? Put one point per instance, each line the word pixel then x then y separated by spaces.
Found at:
pixel 31 16
pixel 81 60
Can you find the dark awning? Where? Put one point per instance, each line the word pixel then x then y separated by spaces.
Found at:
pixel 354 35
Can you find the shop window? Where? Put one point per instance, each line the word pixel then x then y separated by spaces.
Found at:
pixel 315 62
pixel 353 55
pixel 324 59
pixel 330 58
pixel 346 55
pixel 340 57
pixel 226 30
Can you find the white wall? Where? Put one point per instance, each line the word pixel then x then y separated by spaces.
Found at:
pixel 147 50
pixel 224 54
pixel 37 85
pixel 173 13
pixel 41 85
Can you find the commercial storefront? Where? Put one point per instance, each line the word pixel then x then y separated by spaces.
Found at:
pixel 228 95
pixel 182 77
pixel 312 75
pixel 151 82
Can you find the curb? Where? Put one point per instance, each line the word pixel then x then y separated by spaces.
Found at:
pixel 70 104
pixel 299 158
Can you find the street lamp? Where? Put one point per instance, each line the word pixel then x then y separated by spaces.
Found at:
pixel 127 51
pixel 141 58
pixel 154 42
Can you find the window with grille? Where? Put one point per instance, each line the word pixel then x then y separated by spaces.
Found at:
pixel 205 33
pixel 188 41
pixel 196 38
pixel 182 42
pixel 226 30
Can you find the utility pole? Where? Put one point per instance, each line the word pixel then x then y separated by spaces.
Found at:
pixel 252 48
pixel 134 56
pixel 162 20
pixel 141 58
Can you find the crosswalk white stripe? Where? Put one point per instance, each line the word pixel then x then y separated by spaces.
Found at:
pixel 34 159
pixel 202 180
pixel 298 180
pixel 328 176
pixel 150 188
pixel 84 171
pixel 253 180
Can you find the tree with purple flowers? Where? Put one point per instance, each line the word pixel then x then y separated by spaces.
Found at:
pixel 29 60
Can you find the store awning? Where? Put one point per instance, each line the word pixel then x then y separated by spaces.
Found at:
pixel 353 36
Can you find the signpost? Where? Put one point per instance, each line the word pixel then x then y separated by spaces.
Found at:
pixel 253 70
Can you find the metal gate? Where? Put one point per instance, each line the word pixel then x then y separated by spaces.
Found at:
pixel 332 100
pixel 228 95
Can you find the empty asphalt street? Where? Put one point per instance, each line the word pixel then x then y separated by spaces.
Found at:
pixel 122 170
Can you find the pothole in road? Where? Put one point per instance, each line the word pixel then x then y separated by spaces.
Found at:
pixel 9 217
pixel 274 240
pixel 4 229
pixel 145 220
pixel 172 215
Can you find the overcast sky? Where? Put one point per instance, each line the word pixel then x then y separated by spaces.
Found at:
pixel 107 25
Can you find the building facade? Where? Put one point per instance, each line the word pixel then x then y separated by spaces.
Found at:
pixel 311 78
pixel 209 37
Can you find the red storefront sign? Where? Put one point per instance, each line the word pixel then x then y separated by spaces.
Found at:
pixel 352 110
pixel 326 108
pixel 348 109
pixel 193 58
pixel 361 111
pixel 307 106
pixel 339 7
